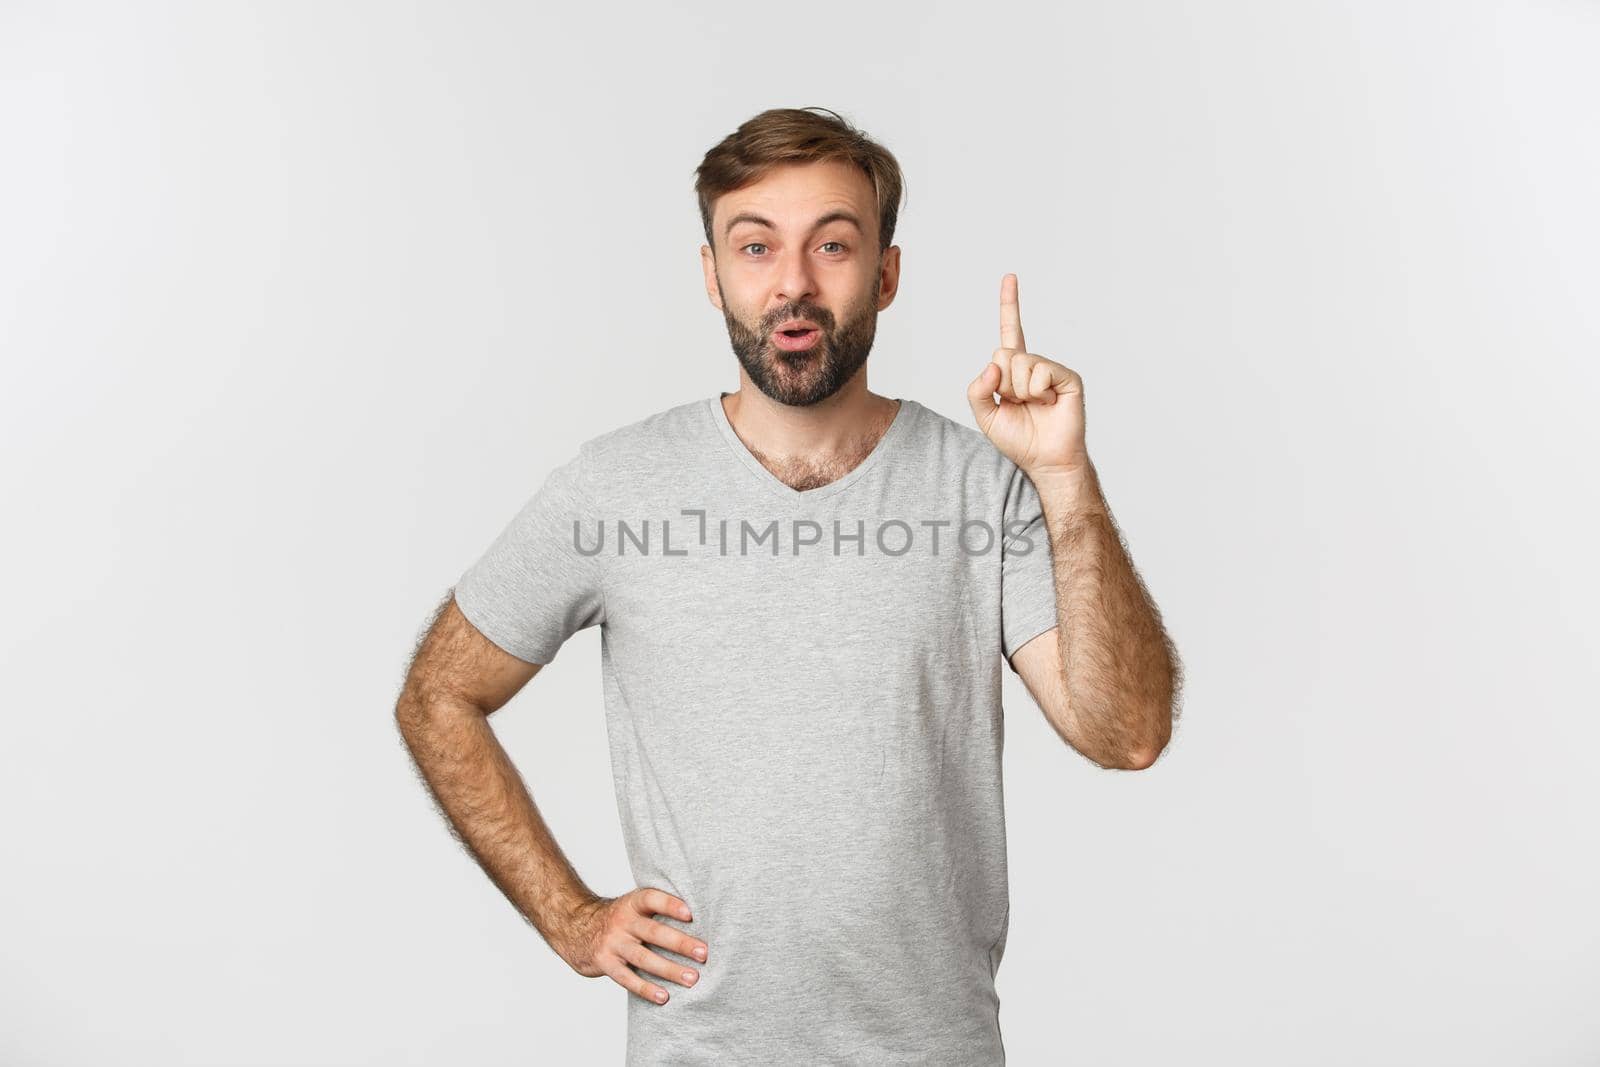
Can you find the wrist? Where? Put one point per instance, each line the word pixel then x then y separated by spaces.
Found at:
pixel 1069 490
pixel 575 905
pixel 1070 480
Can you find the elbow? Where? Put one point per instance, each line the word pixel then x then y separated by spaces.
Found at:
pixel 1135 751
pixel 1146 754
pixel 1140 758
pixel 415 713
pixel 420 712
pixel 409 713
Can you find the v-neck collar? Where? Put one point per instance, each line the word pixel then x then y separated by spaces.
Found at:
pixel 719 416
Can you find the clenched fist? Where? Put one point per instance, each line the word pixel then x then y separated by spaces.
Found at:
pixel 605 934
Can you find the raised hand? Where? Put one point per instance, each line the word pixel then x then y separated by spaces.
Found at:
pixel 1038 423
pixel 606 934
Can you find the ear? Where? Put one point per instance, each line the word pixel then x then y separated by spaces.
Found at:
pixel 889 276
pixel 708 264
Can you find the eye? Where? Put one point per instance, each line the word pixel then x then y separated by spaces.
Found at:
pixel 825 244
pixel 755 244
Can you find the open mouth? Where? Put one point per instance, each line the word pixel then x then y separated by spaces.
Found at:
pixel 796 340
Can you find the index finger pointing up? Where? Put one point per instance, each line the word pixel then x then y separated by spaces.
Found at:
pixel 1010 315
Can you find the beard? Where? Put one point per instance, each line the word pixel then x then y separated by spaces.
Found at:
pixel 800 379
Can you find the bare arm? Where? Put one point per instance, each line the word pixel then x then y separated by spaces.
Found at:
pixel 1106 675
pixel 456 680
pixel 1109 688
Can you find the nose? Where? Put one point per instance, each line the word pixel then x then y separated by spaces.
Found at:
pixel 796 279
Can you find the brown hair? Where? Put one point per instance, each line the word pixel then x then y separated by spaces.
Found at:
pixel 797 135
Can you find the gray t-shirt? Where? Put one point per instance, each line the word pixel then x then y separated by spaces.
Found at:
pixel 802 697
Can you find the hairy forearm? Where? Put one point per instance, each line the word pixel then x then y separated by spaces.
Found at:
pixel 490 810
pixel 1118 666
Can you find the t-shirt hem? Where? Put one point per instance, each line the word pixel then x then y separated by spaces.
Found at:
pixel 1031 631
pixel 531 654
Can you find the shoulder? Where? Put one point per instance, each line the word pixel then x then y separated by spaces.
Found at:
pixel 953 445
pixel 641 448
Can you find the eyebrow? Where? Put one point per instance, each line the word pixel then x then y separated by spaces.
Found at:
pixel 832 216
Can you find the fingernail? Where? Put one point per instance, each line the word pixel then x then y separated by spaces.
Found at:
pixel 688 976
pixel 701 953
pixel 661 996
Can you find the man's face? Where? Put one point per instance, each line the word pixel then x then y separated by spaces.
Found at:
pixel 801 244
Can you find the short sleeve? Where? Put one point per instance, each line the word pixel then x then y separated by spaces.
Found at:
pixel 534 587
pixel 1027 579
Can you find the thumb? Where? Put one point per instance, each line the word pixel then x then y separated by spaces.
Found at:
pixel 980 394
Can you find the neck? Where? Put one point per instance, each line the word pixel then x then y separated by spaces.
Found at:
pixel 834 427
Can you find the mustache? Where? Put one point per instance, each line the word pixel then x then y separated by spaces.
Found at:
pixel 822 318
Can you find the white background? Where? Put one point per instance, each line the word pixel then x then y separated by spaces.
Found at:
pixel 299 303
